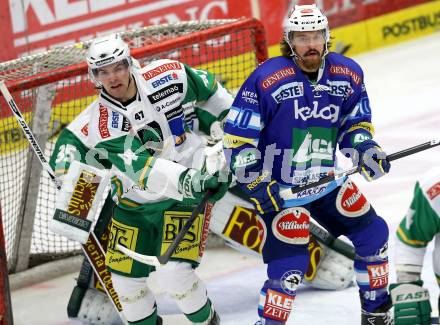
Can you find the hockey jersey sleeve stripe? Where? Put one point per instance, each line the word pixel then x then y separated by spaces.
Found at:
pixel 403 237
pixel 129 202
pixel 117 187
pixel 146 171
pixel 244 118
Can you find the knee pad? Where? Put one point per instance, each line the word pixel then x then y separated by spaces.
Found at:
pixel 372 239
pixel 179 280
pixel 137 300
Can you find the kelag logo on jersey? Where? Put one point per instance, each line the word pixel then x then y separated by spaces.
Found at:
pixel 330 112
pixel 287 91
pixel 164 80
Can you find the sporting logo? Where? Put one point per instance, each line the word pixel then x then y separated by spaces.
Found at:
pixel 164 80
pixel 350 202
pixel 339 88
pixel 345 71
pixel 166 92
pixel 276 77
pixel 246 228
pixel 290 281
pixel 277 305
pixel 161 69
pixel 115 120
pixel 378 275
pixel 103 122
pixel 288 91
pixel 328 113
pixel 292 226
pixel 249 97
pixel 433 191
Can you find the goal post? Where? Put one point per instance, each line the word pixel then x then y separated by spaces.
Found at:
pixel 53 87
pixel 5 295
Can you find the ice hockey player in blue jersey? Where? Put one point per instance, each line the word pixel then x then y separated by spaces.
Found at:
pixel 282 132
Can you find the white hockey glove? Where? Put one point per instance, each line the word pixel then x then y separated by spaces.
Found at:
pixel 78 202
pixel 215 133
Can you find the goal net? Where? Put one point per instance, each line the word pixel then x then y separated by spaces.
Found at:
pixel 53 87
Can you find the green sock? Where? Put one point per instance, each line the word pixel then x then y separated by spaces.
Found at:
pixel 149 320
pixel 201 315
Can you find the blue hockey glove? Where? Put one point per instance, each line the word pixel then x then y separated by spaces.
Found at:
pixel 264 194
pixel 193 183
pixel 411 303
pixel 373 161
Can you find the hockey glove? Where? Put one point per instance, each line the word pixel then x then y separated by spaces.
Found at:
pixel 373 161
pixel 193 183
pixel 411 303
pixel 264 194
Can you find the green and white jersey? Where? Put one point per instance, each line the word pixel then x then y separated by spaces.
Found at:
pixel 420 226
pixel 422 221
pixel 72 144
pixel 149 142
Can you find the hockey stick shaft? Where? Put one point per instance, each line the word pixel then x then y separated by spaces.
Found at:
pixel 92 244
pixel 354 170
pixel 165 257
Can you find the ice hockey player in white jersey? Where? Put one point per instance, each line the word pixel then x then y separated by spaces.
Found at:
pixel 137 124
pixel 417 229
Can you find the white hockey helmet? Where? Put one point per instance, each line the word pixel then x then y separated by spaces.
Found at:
pixel 107 50
pixel 306 18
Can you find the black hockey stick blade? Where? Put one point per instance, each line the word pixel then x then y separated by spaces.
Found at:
pixel 165 257
pixel 354 170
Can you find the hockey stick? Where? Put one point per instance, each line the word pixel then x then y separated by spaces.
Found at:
pixel 165 257
pixel 354 170
pixel 92 248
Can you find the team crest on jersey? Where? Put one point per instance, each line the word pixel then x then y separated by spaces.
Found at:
pixel 350 202
pixel 292 226
pixel 290 281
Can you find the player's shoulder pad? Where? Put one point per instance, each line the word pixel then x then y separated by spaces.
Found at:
pixel 80 124
pixel 165 82
pixel 105 124
pixel 430 184
pixel 342 66
pixel 273 72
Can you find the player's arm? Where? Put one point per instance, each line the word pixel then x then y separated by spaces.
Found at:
pixel 418 227
pixel 68 148
pixel 243 127
pixel 355 135
pixel 212 99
